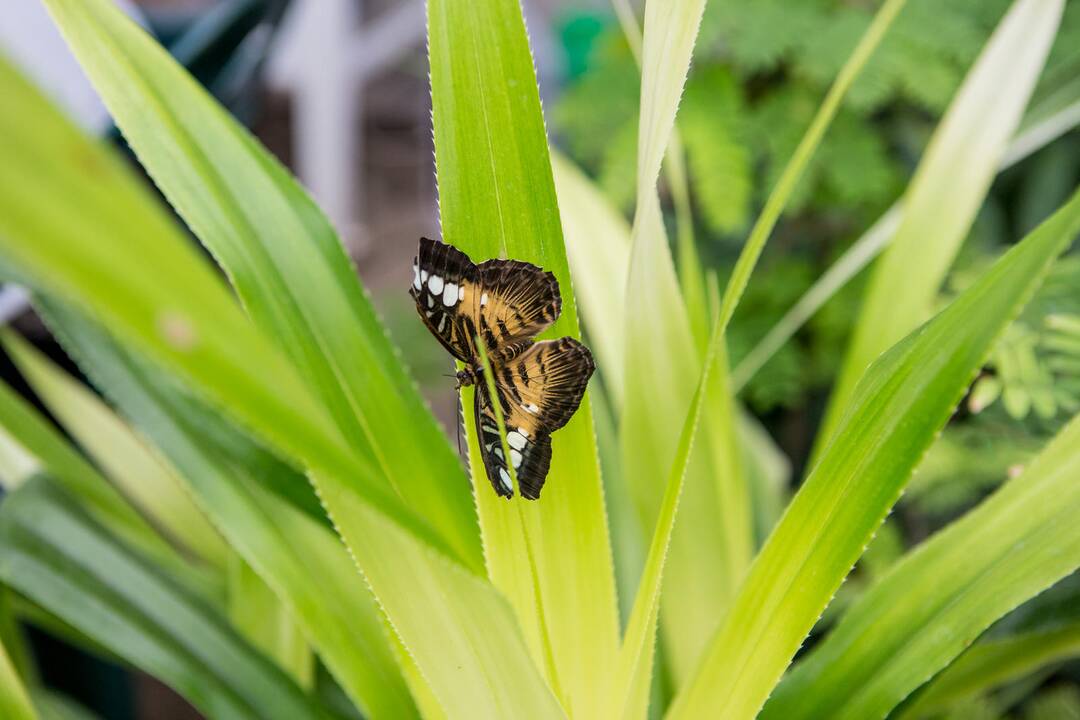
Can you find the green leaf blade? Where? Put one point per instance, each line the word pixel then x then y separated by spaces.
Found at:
pixel 14 701
pixel 56 555
pixel 940 598
pixel 497 199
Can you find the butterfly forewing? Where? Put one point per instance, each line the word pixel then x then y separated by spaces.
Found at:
pixel 444 286
pixel 517 301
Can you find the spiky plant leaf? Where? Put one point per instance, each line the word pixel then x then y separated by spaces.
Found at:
pixel 497 199
pixel 904 400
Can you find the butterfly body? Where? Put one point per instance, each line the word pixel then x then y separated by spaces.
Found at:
pixel 538 385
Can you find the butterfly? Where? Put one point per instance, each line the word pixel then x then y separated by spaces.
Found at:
pixel 538 385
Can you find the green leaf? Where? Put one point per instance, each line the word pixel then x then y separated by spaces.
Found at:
pixel 661 361
pixel 905 399
pixel 256 612
pixel 55 554
pixel 796 166
pixel 711 125
pixel 98 244
pixel 296 555
pixel 633 674
pixel 30 434
pixel 14 701
pixel 941 597
pixel 597 236
pixel 281 255
pixel 116 448
pixel 940 206
pixel 497 199
pixel 991 663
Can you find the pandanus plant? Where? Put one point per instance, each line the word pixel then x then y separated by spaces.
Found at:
pixel 267 517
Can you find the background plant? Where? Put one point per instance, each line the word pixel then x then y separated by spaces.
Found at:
pixel 290 421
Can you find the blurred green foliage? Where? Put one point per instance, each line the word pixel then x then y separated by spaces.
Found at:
pixel 760 70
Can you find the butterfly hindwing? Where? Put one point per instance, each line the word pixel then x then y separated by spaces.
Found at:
pixel 546 382
pixel 530 449
pixel 539 391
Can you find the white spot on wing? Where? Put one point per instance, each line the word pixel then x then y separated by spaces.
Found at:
pixel 435 284
pixel 461 293
pixel 442 322
pixel 515 439
pixel 505 478
pixel 430 300
pixel 498 453
pixel 515 458
pixel 530 408
pixel 416 277
pixel 423 276
pixel 483 299
pixel 449 296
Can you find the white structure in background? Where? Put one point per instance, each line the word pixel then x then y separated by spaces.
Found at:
pixel 324 58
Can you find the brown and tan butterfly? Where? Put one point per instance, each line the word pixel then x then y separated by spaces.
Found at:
pixel 539 385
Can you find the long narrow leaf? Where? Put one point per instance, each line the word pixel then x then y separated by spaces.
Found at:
pixel 497 198
pixel 904 400
pixel 940 204
pixel 633 674
pixel 36 437
pixel 992 663
pixel 941 597
pixel 266 623
pixel 78 226
pixel 114 446
pixel 661 361
pixel 280 254
pixel 59 557
pixel 300 558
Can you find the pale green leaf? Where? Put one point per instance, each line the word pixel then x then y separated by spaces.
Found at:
pixel 940 204
pixel 597 236
pixel 256 612
pixel 281 255
pixel 661 361
pixel 904 400
pixel 940 598
pixel 497 199
pixel 116 448
pixel 101 246
pixel 14 701
pixel 55 554
pixel 633 674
